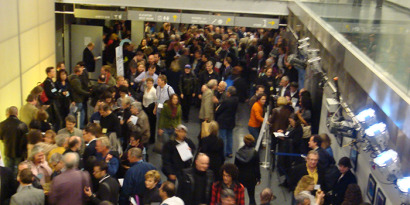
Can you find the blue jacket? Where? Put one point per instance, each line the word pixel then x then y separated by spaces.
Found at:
pixel 134 180
pixel 113 164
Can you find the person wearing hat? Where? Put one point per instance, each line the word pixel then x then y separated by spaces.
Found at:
pixel 247 161
pixel 187 87
pixel 345 178
pixel 172 164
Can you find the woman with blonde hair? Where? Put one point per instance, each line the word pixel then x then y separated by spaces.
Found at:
pixel 213 147
pixel 305 186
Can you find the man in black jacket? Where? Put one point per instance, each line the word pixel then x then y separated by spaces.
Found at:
pixel 7 185
pixel 98 90
pixel 325 159
pixel 108 187
pixel 109 121
pixel 345 178
pixel 196 184
pixel 79 92
pixel 88 57
pixel 172 164
pixel 225 116
pixel 52 94
pixel 187 88
pixel 13 135
pixel 311 168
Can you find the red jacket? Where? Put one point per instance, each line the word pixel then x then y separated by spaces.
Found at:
pixel 238 189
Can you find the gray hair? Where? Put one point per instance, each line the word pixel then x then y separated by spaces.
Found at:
pixel 285 78
pixel 261 53
pixel 56 157
pixel 135 152
pixel 137 105
pixel 36 149
pixel 270 60
pixel 231 90
pixel 126 101
pixel 223 83
pixel 209 63
pixel 104 142
pixel 25 163
pixel 301 197
pixel 212 83
pixel 61 139
pixel 227 193
pixel 71 160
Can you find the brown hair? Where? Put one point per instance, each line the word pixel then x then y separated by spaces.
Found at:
pixel 42 115
pixel 53 135
pixel 303 184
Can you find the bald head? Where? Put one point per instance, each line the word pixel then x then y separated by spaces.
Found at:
pixel 12 111
pixel 71 160
pixel 202 162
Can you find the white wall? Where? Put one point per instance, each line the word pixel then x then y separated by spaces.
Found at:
pixel 27 38
pixel 403 3
pixel 363 162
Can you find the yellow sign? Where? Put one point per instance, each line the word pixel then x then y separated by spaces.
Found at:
pixel 228 20
pixel 175 17
pixel 271 23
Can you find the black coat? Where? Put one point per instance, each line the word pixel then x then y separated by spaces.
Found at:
pixel 108 190
pixel 8 185
pixel 88 59
pixel 213 147
pixel 13 134
pixel 299 171
pixel 186 187
pixel 51 91
pixel 226 112
pixel 247 161
pixel 187 84
pixel 324 158
pixel 269 83
pixel 97 91
pixel 171 161
pixel 112 124
pixel 341 186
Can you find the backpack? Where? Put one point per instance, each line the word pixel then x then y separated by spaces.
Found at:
pixel 43 96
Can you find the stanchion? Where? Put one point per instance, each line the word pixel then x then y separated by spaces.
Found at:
pixel 263 135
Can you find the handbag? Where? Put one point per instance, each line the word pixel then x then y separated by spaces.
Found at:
pixel 307 131
pixel 205 129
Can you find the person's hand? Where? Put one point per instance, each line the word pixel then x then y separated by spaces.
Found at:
pixel 87 191
pixel 193 94
pixel 172 177
pixel 182 96
pixel 160 131
pixel 108 158
pixel 199 96
pixel 281 131
pixel 64 93
pixel 320 194
pixel 155 110
pixel 143 80
pixel 121 122
pixel 258 183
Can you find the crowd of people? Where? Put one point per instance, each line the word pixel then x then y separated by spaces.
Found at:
pixel 80 142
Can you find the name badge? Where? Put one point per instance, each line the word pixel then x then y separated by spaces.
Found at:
pixel 160 105
pixel 53 90
pixel 97 121
pixel 104 130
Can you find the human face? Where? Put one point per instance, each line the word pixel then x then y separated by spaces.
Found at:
pixel 175 100
pixel 227 178
pixel 150 183
pixel 48 138
pixel 343 169
pixel 151 59
pixel 98 174
pixel 209 67
pixel 221 87
pixel 160 82
pixel 312 160
pixel 151 71
pixel 311 187
pixel 141 68
pixel 262 100
pixel 260 91
pixel 134 142
pixel 99 147
pixel 103 71
pixel 86 136
pixel 52 73
pixel 187 70
pixel 312 143
pixel 57 166
pixel 202 163
pixel 269 72
pixel 38 158
pixel 181 134
pixel 69 126
pixel 63 76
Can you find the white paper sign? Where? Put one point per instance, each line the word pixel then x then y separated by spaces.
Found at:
pixel 119 61
pixel 279 134
pixel 184 151
pixel 218 65
pixel 134 119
